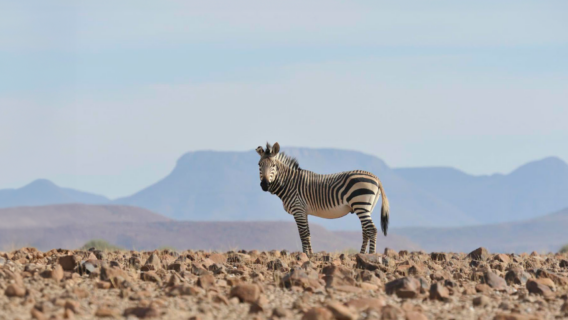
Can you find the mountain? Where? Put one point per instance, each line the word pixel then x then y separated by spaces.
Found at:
pixel 44 192
pixel 220 186
pixel 542 234
pixel 531 190
pixel 73 215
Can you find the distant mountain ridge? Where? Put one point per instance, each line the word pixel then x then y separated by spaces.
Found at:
pixel 219 186
pixel 44 192
pixel 224 186
pixel 533 189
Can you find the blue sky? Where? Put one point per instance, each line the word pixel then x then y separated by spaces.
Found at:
pixel 105 96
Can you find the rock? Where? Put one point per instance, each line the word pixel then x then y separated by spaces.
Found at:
pixel 150 276
pixel 439 292
pixel 534 286
pixel 391 253
pixel 517 276
pixel 479 254
pixel 246 292
pixel 415 315
pixel 483 288
pixel 439 256
pixel 280 312
pixel 15 290
pixel 340 312
pixel 38 315
pixel 318 313
pixel 495 282
pixel 514 316
pixel 276 264
pixel 104 312
pixel 142 312
pixel 218 258
pixel 369 262
pixel 361 304
pixel 502 258
pixel 562 264
pixel 68 263
pixel 206 281
pixel 57 273
pixel 481 301
pixel 153 263
pixel 406 287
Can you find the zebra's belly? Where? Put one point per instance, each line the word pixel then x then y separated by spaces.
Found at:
pixel 332 213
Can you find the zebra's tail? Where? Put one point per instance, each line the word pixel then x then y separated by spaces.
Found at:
pixel 384 210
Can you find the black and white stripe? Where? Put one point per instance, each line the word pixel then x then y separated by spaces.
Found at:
pixel 328 196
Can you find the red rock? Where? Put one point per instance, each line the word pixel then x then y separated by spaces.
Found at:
pixel 142 312
pixel 57 273
pixel 206 281
pixel 495 282
pixel 318 313
pixel 38 315
pixel 479 254
pixel 439 256
pixel 536 287
pixel 503 258
pixel 415 315
pixel 68 263
pixel 369 262
pixel 104 312
pixel 406 287
pixel 439 292
pixel 218 258
pixel 362 304
pixel 15 290
pixel 153 262
pixel 391 253
pixel 481 301
pixel 340 312
pixel 246 292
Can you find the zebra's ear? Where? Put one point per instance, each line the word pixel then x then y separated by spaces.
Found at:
pixel 260 151
pixel 275 149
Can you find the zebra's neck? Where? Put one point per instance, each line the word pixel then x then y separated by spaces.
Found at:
pixel 283 180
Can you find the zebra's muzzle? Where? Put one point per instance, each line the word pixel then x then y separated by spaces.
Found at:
pixel 264 185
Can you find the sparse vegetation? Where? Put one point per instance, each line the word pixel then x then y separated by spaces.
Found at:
pixel 564 249
pixel 100 244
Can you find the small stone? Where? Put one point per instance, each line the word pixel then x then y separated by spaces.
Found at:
pixel 218 258
pixel 104 312
pixel 206 281
pixel 415 315
pixel 481 301
pixel 391 253
pixel 15 290
pixel 340 312
pixel 38 315
pixel 318 313
pixel 439 292
pixel 495 282
pixel 57 273
pixel 153 262
pixel 439 256
pixel 479 254
pixel 536 287
pixel 503 258
pixel 68 263
pixel 142 312
pixel 246 292
pixel 406 287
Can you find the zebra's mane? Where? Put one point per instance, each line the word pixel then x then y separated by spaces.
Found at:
pixel 288 161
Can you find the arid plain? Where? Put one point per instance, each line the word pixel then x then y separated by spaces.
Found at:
pixel 165 284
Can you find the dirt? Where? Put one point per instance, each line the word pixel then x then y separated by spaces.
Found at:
pixel 73 284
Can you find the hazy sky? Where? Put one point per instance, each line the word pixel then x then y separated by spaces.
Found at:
pixel 105 96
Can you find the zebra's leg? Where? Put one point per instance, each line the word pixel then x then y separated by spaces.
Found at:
pixel 368 229
pixel 304 230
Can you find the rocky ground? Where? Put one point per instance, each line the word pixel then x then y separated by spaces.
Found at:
pixel 67 284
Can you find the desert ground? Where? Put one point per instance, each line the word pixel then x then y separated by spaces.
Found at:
pixel 165 284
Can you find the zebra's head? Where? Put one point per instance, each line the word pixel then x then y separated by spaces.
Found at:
pixel 267 164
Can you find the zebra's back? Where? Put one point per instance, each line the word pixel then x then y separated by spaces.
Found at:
pixel 333 196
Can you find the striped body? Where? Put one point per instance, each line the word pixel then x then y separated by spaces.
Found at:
pixel 327 196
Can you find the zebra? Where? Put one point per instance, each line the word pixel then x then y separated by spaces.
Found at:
pixel 327 196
